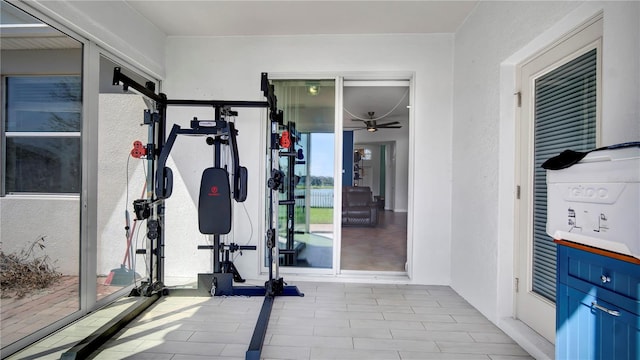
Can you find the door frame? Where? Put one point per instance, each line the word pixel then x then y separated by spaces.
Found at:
pixel 339 78
pixel 508 154
pixel 581 39
pixel 380 79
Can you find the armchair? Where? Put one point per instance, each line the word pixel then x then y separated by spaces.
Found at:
pixel 358 207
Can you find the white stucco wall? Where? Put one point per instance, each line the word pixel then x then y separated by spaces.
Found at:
pixel 229 68
pixel 120 116
pixel 487 47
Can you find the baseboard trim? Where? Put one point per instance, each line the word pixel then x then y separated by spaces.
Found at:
pixel 532 342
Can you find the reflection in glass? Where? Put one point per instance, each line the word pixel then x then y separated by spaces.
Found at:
pixel 44 103
pixel 43 165
pixel 306 226
pixel 121 180
pixel 42 130
pixel 41 171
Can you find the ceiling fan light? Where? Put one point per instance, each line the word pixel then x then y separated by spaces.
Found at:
pixel 313 90
pixel 372 129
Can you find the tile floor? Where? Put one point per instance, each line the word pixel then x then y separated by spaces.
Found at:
pixel 332 321
pixel 23 316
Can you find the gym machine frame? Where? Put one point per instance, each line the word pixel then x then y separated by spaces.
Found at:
pixel 159 186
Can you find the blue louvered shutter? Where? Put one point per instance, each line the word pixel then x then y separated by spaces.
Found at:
pixel 565 118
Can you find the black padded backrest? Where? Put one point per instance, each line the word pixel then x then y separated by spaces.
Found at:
pixel 214 205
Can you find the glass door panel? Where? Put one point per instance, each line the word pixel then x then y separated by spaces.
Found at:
pixel 305 213
pixel 121 180
pixel 41 152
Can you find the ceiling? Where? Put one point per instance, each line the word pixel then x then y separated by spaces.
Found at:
pixel 266 17
pixel 302 17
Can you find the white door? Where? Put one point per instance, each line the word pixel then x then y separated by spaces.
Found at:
pixel 558 111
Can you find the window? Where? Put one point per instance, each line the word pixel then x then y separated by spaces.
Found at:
pixel 42 133
pixel 367 154
pixel 565 118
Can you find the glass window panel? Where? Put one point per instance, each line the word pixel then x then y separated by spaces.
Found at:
pixel 41 153
pixel 44 103
pixel 43 121
pixel 43 164
pixel 121 181
pixel 307 225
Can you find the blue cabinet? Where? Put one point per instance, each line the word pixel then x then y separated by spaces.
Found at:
pixel 598 306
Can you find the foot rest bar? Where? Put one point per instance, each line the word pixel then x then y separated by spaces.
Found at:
pixel 255 346
pixel 259 332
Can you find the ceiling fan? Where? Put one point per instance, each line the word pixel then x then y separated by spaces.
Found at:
pixel 373 126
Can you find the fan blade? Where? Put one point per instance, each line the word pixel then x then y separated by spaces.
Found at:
pixel 389 123
pixel 390 127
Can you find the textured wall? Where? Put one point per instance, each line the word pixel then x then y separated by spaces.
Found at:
pixel 229 68
pixel 496 36
pixel 119 119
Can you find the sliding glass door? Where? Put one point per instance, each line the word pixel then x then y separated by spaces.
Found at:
pixel 41 176
pixel 305 213
pixel 121 181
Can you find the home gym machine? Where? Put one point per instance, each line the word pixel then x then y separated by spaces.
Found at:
pixel 214 208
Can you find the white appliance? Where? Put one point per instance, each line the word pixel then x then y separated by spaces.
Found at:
pixel 596 201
